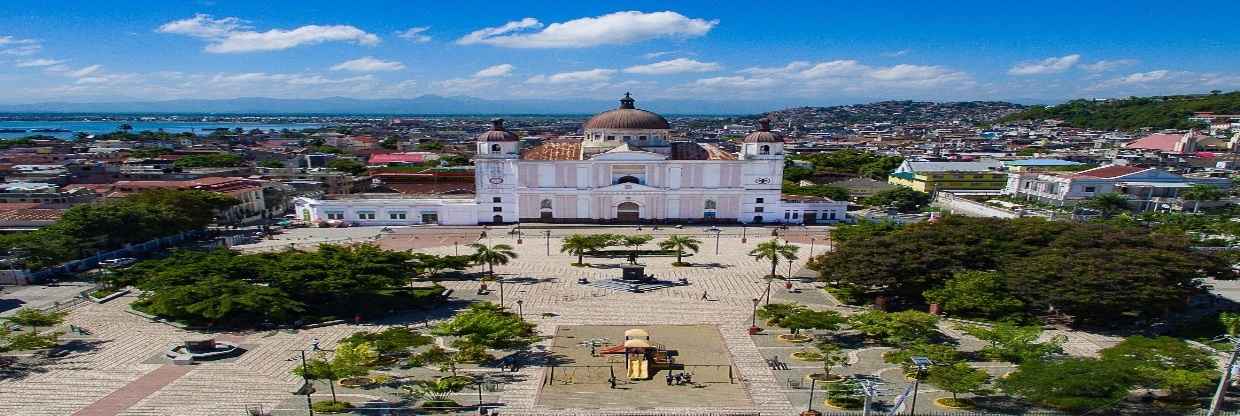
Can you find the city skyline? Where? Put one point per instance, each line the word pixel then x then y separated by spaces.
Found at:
pixel 802 54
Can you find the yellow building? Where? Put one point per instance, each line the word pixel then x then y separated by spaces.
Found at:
pixel 941 176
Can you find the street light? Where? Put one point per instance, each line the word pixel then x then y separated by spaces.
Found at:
pixel 501 292
pixel 809 411
pixel 922 363
pixel 753 322
pixel 520 310
pixel 548 234
pixel 743 235
pixel 811 247
pixel 717 232
pixel 519 235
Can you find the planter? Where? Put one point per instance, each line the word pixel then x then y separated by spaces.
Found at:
pixel 806 356
pixel 847 404
pixel 824 378
pixel 956 404
pixel 113 295
pixel 795 338
pixel 681 264
pixel 811 413
pixel 355 382
pixel 753 330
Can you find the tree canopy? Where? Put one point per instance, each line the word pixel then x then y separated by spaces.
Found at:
pixel 487 325
pixel 1168 112
pixel 1042 264
pixel 901 198
pixel 210 160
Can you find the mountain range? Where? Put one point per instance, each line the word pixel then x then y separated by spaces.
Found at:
pixel 422 105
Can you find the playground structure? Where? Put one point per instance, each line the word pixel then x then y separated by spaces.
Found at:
pixel 641 358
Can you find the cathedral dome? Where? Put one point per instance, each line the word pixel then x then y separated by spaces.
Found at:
pixel 628 117
pixel 497 133
pixel 763 134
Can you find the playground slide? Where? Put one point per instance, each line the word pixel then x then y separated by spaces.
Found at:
pixel 639 369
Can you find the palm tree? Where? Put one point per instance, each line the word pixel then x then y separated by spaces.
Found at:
pixel 774 250
pixel 1108 204
pixel 1201 192
pixel 492 255
pixel 680 244
pixel 578 245
pixel 635 242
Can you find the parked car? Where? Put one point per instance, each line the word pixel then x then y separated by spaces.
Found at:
pixel 118 263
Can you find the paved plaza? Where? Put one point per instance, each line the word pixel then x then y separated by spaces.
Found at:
pixel 118 370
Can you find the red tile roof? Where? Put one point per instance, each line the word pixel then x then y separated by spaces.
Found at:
pixel 554 151
pixel 411 157
pixel 1157 141
pixel 1109 171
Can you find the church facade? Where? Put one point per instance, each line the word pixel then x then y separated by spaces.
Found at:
pixel 625 170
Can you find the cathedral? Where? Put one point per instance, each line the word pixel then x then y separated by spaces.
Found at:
pixel 626 169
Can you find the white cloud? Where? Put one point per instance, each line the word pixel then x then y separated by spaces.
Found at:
pixel 232 35
pixel 415 34
pixel 653 55
pixel 896 54
pixel 838 68
pixel 79 73
pixel 593 75
pixel 1139 79
pixel 917 76
pixel 609 29
pixel 461 85
pixel 736 82
pixel 1052 65
pixel 501 70
pixel 1104 65
pixel 674 66
pixel 37 63
pixel 368 64
pixel 19 47
pixel 791 68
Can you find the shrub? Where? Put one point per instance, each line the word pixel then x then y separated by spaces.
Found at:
pixel 331 406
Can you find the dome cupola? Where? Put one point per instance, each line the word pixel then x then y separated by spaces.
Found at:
pixel 763 134
pixel 497 133
pixel 628 117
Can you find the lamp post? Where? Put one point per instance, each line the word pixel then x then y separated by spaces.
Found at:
pixel 519 235
pixel 809 410
pixel 456 247
pixel 717 232
pixel 306 387
pixel 744 235
pixel 548 234
pixel 921 363
pixel 753 321
pixel 501 292
pixel 520 310
pixel 811 247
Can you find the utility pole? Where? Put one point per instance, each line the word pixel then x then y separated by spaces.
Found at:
pixel 869 388
pixel 922 363
pixel 1217 402
pixel 548 234
pixel 305 376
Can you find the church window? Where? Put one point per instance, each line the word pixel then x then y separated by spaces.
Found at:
pixel 628 179
pixel 765 150
pixel 545 204
pixel 495 148
pixel 497 199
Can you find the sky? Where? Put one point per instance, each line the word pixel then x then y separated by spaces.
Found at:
pixel 811 52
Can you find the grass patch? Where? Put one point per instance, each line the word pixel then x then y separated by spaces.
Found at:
pixel 329 406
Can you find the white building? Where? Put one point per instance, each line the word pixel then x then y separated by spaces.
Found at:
pixel 625 170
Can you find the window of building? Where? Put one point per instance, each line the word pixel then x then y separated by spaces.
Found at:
pixel 365 215
pixel 642 138
pixel 396 215
pixel 495 148
pixel 795 215
pixel 831 215
pixel 1089 189
pixel 758 200
pixel 757 209
pixel 787 215
pixel 430 218
pixel 710 215
pixel 626 138
pixel 611 137
pixel 497 200
pixel 710 204
pixel 335 215
pixel 545 204
pixel 497 209
pixel 764 150
pixel 628 179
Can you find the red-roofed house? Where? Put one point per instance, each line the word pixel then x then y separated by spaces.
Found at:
pixel 405 158
pixel 248 191
pixel 1168 143
pixel 1141 184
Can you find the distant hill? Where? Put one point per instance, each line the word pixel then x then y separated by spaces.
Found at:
pixel 426 104
pixel 1166 112
pixel 899 112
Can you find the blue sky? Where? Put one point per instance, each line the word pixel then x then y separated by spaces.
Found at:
pixel 810 52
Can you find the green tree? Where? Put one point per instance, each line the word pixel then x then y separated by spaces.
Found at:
pixel 1016 344
pixel 1231 321
pixel 896 328
pixel 578 245
pixel 437 391
pixel 1108 204
pixel 35 318
pixel 804 319
pixel 350 360
pixel 832 355
pixel 635 242
pixel 901 198
pixel 271 163
pixel 1185 371
pixel 211 160
pixel 680 244
pixel 940 354
pixel 485 324
pixel 432 265
pixel 1072 384
pixel 977 295
pixel 958 378
pixel 1200 192
pixel 394 340
pixel 774 313
pixel 774 251
pixel 492 255
pixel 349 166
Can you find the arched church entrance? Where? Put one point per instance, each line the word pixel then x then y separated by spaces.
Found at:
pixel 628 212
